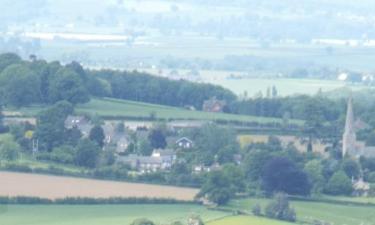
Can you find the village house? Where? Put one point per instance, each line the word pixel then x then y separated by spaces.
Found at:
pixel 80 122
pixel 120 140
pixel 160 160
pixel 201 168
pixel 184 143
pixel 360 187
pixel 213 105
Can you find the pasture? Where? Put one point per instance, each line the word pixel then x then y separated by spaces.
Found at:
pixel 338 214
pixel 285 87
pixel 246 220
pixel 255 82
pixel 53 187
pixel 101 214
pixel 115 108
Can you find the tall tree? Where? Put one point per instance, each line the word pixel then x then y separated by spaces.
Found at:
pixel 157 138
pixel 87 153
pixel 97 135
pixel 50 125
pixel 19 86
pixel 8 59
pixel 67 85
pixel 282 175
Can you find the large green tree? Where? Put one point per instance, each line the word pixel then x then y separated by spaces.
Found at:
pixel 87 153
pixel 157 138
pixel 217 188
pixel 19 85
pixel 97 135
pixel 339 184
pixel 9 149
pixel 282 175
pixel 214 143
pixel 51 125
pixel 8 59
pixel 67 85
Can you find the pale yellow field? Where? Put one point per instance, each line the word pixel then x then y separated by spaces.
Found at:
pixel 245 140
pixel 53 187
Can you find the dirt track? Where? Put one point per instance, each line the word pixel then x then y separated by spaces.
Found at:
pixel 52 187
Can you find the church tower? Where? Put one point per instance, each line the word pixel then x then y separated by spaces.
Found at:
pixel 349 138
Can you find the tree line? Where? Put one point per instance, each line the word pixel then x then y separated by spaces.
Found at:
pixel 23 83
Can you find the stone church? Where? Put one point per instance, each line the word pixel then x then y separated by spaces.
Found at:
pixel 350 146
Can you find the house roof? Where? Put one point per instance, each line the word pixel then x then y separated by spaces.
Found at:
pixel 361 185
pixel 71 120
pixel 140 159
pixel 164 152
pixel 184 139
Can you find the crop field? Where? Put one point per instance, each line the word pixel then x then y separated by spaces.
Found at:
pixel 338 214
pixel 101 214
pixel 52 187
pixel 121 108
pixel 285 87
pixel 246 140
pixel 258 82
pixel 247 220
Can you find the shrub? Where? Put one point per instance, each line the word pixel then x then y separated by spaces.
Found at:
pixel 339 184
pixel 18 168
pixel 9 150
pixel 279 209
pixel 142 222
pixel 256 210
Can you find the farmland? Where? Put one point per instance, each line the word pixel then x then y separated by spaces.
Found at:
pixel 52 187
pixel 245 220
pixel 338 214
pixel 121 108
pixel 284 86
pixel 101 214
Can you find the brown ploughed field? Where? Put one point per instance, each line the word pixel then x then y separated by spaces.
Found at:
pixel 53 187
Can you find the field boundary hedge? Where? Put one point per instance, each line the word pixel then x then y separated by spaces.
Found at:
pixel 89 201
pixel 331 201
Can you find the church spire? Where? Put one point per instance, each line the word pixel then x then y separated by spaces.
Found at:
pixel 349 139
pixel 349 122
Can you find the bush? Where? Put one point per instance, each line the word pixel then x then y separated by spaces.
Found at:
pixel 256 210
pixel 279 209
pixel 9 150
pixel 142 222
pixel 18 168
pixel 339 184
pixel 63 154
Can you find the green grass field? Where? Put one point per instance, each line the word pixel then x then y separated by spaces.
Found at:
pixel 120 108
pixel 247 220
pixel 285 87
pixel 337 214
pixel 100 214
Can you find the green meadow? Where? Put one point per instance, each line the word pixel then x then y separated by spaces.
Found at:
pixel 114 108
pixel 101 214
pixel 247 220
pixel 338 214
